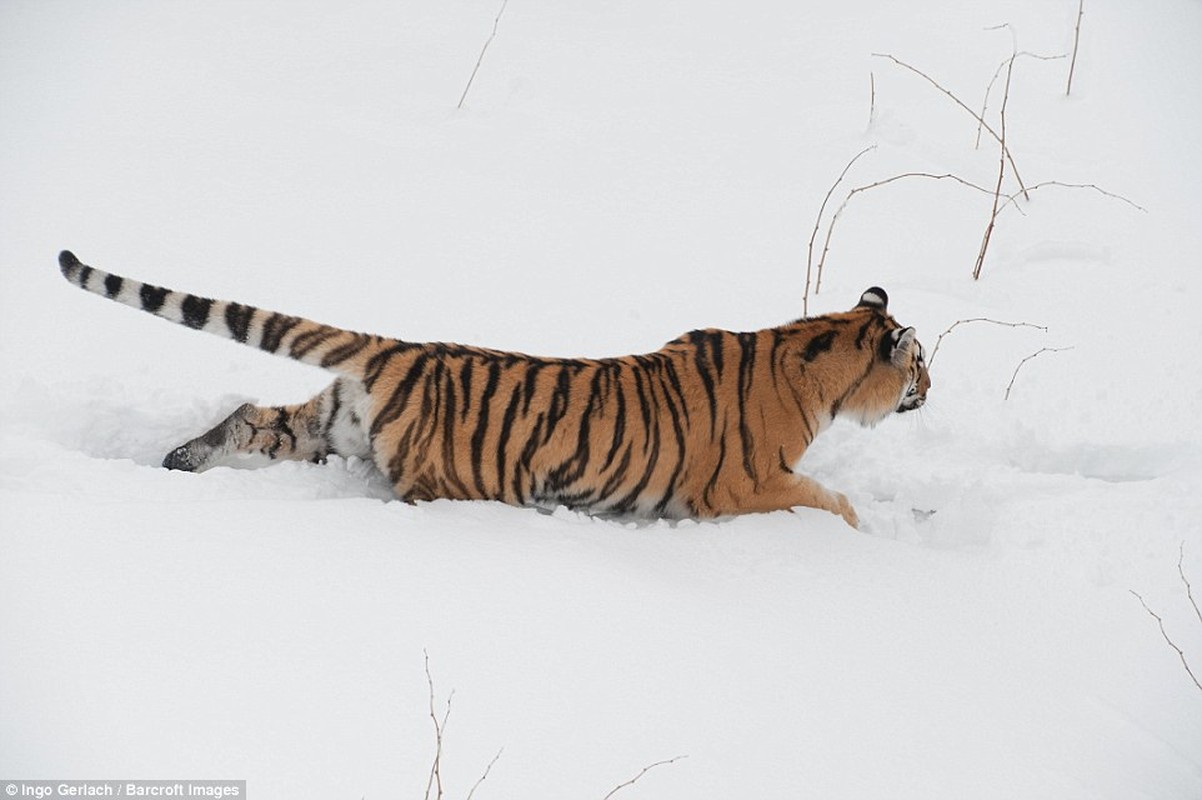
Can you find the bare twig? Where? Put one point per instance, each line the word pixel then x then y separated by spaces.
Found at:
pixel 959 322
pixel 1172 644
pixel 959 102
pixel 1001 174
pixel 826 245
pixel 1189 591
pixel 805 299
pixel 1013 199
pixel 440 727
pixel 642 772
pixel 997 73
pixel 479 60
pixel 871 98
pixel 487 770
pixel 1076 40
pixel 1040 351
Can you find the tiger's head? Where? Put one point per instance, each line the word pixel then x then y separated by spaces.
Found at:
pixel 896 380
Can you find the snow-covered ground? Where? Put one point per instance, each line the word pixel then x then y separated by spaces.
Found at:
pixel 620 172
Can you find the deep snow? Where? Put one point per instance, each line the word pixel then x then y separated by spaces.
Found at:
pixel 620 173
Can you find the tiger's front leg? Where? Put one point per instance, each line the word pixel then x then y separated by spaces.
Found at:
pixel 790 490
pixel 257 436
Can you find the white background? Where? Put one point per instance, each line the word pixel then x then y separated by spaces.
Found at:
pixel 621 172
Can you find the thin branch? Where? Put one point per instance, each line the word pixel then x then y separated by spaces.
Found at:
pixel 1076 40
pixel 483 49
pixel 1189 592
pixel 826 245
pixel 1040 351
pixel 1013 199
pixel 959 322
pixel 1172 644
pixel 871 97
pixel 997 73
pixel 1001 174
pixel 642 772
pixel 435 779
pixel 485 775
pixel 959 102
pixel 805 299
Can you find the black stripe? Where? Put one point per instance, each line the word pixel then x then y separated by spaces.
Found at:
pixel 628 501
pixel 465 383
pixel 616 479
pixel 112 285
pixel 717 340
pixel 619 420
pixel 700 358
pixel 335 406
pixel 669 368
pixel 378 362
pixel 677 429
pixel 838 403
pixel 559 401
pixel 506 429
pixel 400 395
pixel 490 388
pixel 153 297
pixel 713 481
pixel 528 451
pixel 343 352
pixel 571 470
pixel 818 345
pixel 196 311
pixel 448 436
pixel 532 373
pixel 85 274
pixel 746 365
pixel 237 319
pixel 644 406
pixel 310 340
pixel 864 332
pixel 275 329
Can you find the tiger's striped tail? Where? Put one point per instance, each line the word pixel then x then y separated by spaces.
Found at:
pixel 310 342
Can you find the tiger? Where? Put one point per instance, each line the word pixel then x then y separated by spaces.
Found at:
pixel 711 425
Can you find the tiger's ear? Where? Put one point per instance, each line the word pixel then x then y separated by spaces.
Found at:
pixel 895 346
pixel 874 298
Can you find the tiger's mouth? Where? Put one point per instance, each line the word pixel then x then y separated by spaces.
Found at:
pixel 911 400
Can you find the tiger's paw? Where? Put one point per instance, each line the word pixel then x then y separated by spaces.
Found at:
pixel 844 509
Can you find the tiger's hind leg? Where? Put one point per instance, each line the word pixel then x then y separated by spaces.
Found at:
pixel 256 436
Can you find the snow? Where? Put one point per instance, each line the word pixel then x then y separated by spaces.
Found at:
pixel 620 173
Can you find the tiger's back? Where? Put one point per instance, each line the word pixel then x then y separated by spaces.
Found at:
pixel 711 424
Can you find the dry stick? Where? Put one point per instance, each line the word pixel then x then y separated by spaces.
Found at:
pixel 805 298
pixel 435 779
pixel 1172 644
pixel 1041 350
pixel 959 322
pixel 997 73
pixel 871 98
pixel 1189 592
pixel 1001 174
pixel 959 102
pixel 1076 39
pixel 487 769
pixel 1012 199
pixel 830 228
pixel 487 42
pixel 642 772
